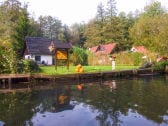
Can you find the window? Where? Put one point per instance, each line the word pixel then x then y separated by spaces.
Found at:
pixel 38 58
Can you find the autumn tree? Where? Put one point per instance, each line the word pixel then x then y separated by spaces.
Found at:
pixel 14 27
pixel 9 15
pixel 92 34
pixel 151 29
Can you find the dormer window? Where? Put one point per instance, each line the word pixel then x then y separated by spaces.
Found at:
pixel 101 48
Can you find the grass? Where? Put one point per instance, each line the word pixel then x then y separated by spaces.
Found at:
pixel 50 70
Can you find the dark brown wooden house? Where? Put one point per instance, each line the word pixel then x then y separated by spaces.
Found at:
pixel 38 49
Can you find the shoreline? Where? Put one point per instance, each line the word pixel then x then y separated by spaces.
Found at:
pixel 7 80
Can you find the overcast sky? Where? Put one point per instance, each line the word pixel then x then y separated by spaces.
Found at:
pixel 71 11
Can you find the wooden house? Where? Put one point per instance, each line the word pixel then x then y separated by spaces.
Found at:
pixel 37 49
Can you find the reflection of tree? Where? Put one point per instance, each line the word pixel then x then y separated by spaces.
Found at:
pixel 62 99
pixel 147 97
pixel 111 104
pixel 106 102
pixel 54 100
pixel 151 99
pixel 15 108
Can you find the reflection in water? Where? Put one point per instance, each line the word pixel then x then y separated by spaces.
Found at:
pixel 2 123
pixel 132 102
pixel 62 100
pixel 80 87
pixel 111 84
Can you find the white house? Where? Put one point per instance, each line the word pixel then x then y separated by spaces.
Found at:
pixel 37 49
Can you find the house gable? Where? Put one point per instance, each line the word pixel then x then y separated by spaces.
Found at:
pixel 106 49
pixel 139 49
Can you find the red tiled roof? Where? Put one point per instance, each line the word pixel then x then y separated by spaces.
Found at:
pixel 93 49
pixel 106 49
pixel 162 59
pixel 140 49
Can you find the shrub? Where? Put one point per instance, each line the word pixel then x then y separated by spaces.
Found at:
pixel 160 65
pixel 27 66
pixel 8 61
pixel 79 56
pixel 127 58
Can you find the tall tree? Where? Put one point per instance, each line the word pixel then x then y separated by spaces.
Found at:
pixel 66 34
pixel 9 15
pixel 92 33
pixel 74 33
pixel 110 29
pixel 100 21
pixel 111 9
pixel 34 28
pixel 154 9
pixel 100 13
pixel 151 30
pixel 51 27
pixel 21 31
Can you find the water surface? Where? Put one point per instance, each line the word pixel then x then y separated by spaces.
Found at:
pixel 120 102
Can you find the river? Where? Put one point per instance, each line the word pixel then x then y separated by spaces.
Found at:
pixel 140 101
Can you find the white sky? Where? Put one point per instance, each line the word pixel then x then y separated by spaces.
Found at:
pixel 72 11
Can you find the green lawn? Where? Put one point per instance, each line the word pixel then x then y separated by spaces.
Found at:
pixel 63 70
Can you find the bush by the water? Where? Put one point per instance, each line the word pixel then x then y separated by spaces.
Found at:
pixel 160 65
pixel 27 66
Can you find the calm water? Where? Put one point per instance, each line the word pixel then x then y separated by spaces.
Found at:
pixel 121 102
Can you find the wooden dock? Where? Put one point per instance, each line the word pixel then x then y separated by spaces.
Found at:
pixel 77 78
pixel 9 77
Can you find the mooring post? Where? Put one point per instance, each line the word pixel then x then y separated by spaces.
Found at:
pixel 166 69
pixel 9 83
pixel 3 83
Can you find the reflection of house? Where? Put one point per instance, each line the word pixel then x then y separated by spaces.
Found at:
pixel 36 48
pixel 104 49
pixel 139 49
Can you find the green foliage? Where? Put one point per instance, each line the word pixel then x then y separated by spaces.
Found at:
pixel 27 66
pixel 154 9
pixel 63 70
pixel 8 61
pixel 79 56
pixel 151 29
pixel 127 58
pixel 51 27
pixel 9 15
pixel 152 33
pixel 137 58
pixel 109 28
pixel 160 65
pixel 21 31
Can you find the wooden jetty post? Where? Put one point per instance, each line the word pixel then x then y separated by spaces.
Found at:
pixel 9 78
pixel 9 83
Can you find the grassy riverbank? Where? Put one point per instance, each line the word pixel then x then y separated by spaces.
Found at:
pixel 63 69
